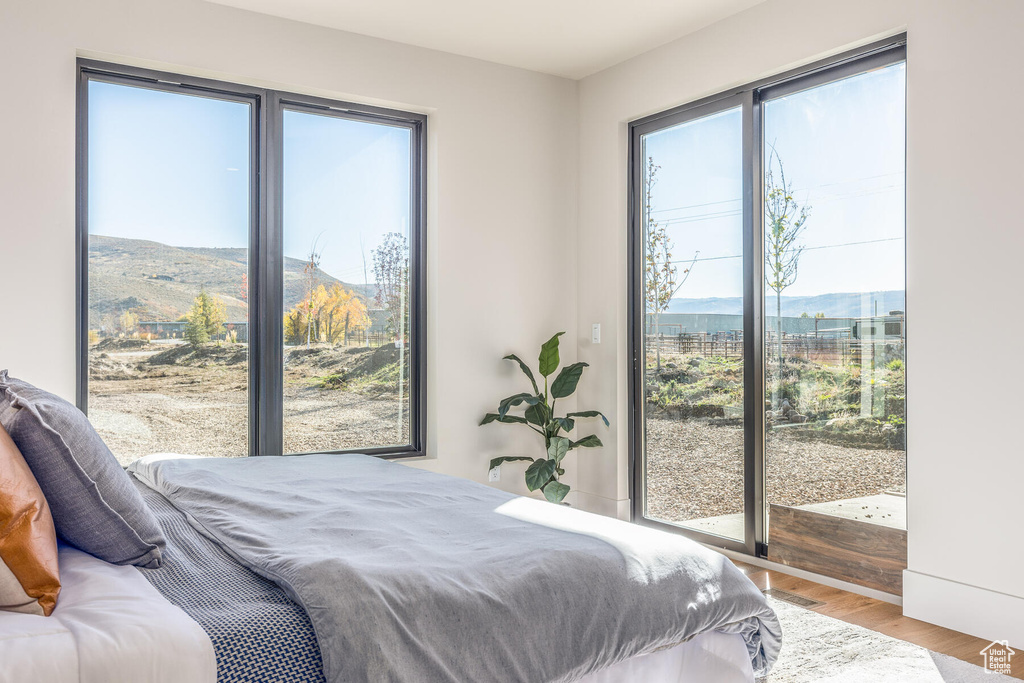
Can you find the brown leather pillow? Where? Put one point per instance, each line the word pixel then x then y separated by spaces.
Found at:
pixel 29 581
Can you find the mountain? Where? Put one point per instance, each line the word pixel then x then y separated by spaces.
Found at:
pixel 163 280
pixel 834 305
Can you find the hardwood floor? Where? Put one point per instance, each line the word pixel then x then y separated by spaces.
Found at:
pixel 878 616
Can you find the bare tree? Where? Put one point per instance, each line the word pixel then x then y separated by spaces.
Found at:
pixel 311 271
pixel 391 270
pixel 785 220
pixel 366 277
pixel 660 270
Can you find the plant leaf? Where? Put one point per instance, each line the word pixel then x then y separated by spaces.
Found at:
pixel 515 400
pixel 526 370
pixel 555 491
pixel 590 413
pixel 558 448
pixel 586 442
pixel 507 458
pixel 567 380
pixel 539 473
pixel 537 414
pixel 508 419
pixel 549 355
pixel 566 423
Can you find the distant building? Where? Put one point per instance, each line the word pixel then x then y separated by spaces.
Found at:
pixel 176 330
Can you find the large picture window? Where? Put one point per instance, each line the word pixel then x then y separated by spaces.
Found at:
pixel 251 269
pixel 768 313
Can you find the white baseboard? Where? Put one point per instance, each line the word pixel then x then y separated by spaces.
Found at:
pixel 969 609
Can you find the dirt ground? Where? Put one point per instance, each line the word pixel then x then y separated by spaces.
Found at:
pixel 695 470
pixel 202 409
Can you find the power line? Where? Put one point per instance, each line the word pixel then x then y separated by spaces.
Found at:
pixel 696 206
pixel 823 246
pixel 697 218
pixel 815 187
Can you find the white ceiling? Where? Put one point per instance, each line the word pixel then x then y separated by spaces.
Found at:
pixel 571 38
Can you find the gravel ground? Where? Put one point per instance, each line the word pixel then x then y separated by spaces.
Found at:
pixel 317 420
pixel 695 470
pixel 177 409
pixel 694 467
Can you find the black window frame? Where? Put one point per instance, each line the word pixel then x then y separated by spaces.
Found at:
pixel 266 258
pixel 751 98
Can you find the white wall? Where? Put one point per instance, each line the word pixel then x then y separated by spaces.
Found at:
pixel 964 246
pixel 502 156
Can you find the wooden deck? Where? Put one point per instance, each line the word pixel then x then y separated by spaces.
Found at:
pixel 861 552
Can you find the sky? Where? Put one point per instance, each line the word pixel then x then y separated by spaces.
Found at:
pixel 175 169
pixel 842 146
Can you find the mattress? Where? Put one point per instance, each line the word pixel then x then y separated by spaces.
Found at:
pixel 110 626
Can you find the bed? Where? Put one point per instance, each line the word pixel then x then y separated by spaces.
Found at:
pixel 233 601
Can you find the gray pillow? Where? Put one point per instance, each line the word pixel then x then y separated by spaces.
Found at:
pixel 95 506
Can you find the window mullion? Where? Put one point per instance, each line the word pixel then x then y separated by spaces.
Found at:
pixel 270 362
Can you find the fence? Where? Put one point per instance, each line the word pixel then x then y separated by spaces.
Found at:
pixel 239 332
pixel 372 339
pixel 827 350
pixel 721 344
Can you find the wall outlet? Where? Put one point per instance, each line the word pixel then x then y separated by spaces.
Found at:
pixel 595 333
pixel 494 474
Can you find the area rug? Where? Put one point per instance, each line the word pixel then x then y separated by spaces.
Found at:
pixel 820 649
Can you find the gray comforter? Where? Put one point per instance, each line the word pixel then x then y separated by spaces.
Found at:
pixel 410 576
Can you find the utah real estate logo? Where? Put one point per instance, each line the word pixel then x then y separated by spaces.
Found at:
pixel 997 657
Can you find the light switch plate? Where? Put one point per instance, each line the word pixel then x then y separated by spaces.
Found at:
pixel 595 333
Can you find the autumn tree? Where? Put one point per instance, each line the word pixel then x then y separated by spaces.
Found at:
pixel 343 312
pixel 660 271
pixel 785 220
pixel 335 313
pixel 205 319
pixel 128 322
pixel 295 326
pixel 391 270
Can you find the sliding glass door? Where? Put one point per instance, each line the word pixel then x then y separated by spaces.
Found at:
pixel 692 244
pixel 835 336
pixel 768 312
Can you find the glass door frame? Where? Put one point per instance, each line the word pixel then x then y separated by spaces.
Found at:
pixel 750 98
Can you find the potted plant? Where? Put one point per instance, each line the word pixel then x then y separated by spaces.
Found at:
pixel 539 415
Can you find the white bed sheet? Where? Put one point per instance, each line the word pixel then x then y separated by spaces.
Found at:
pixel 707 658
pixel 110 626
